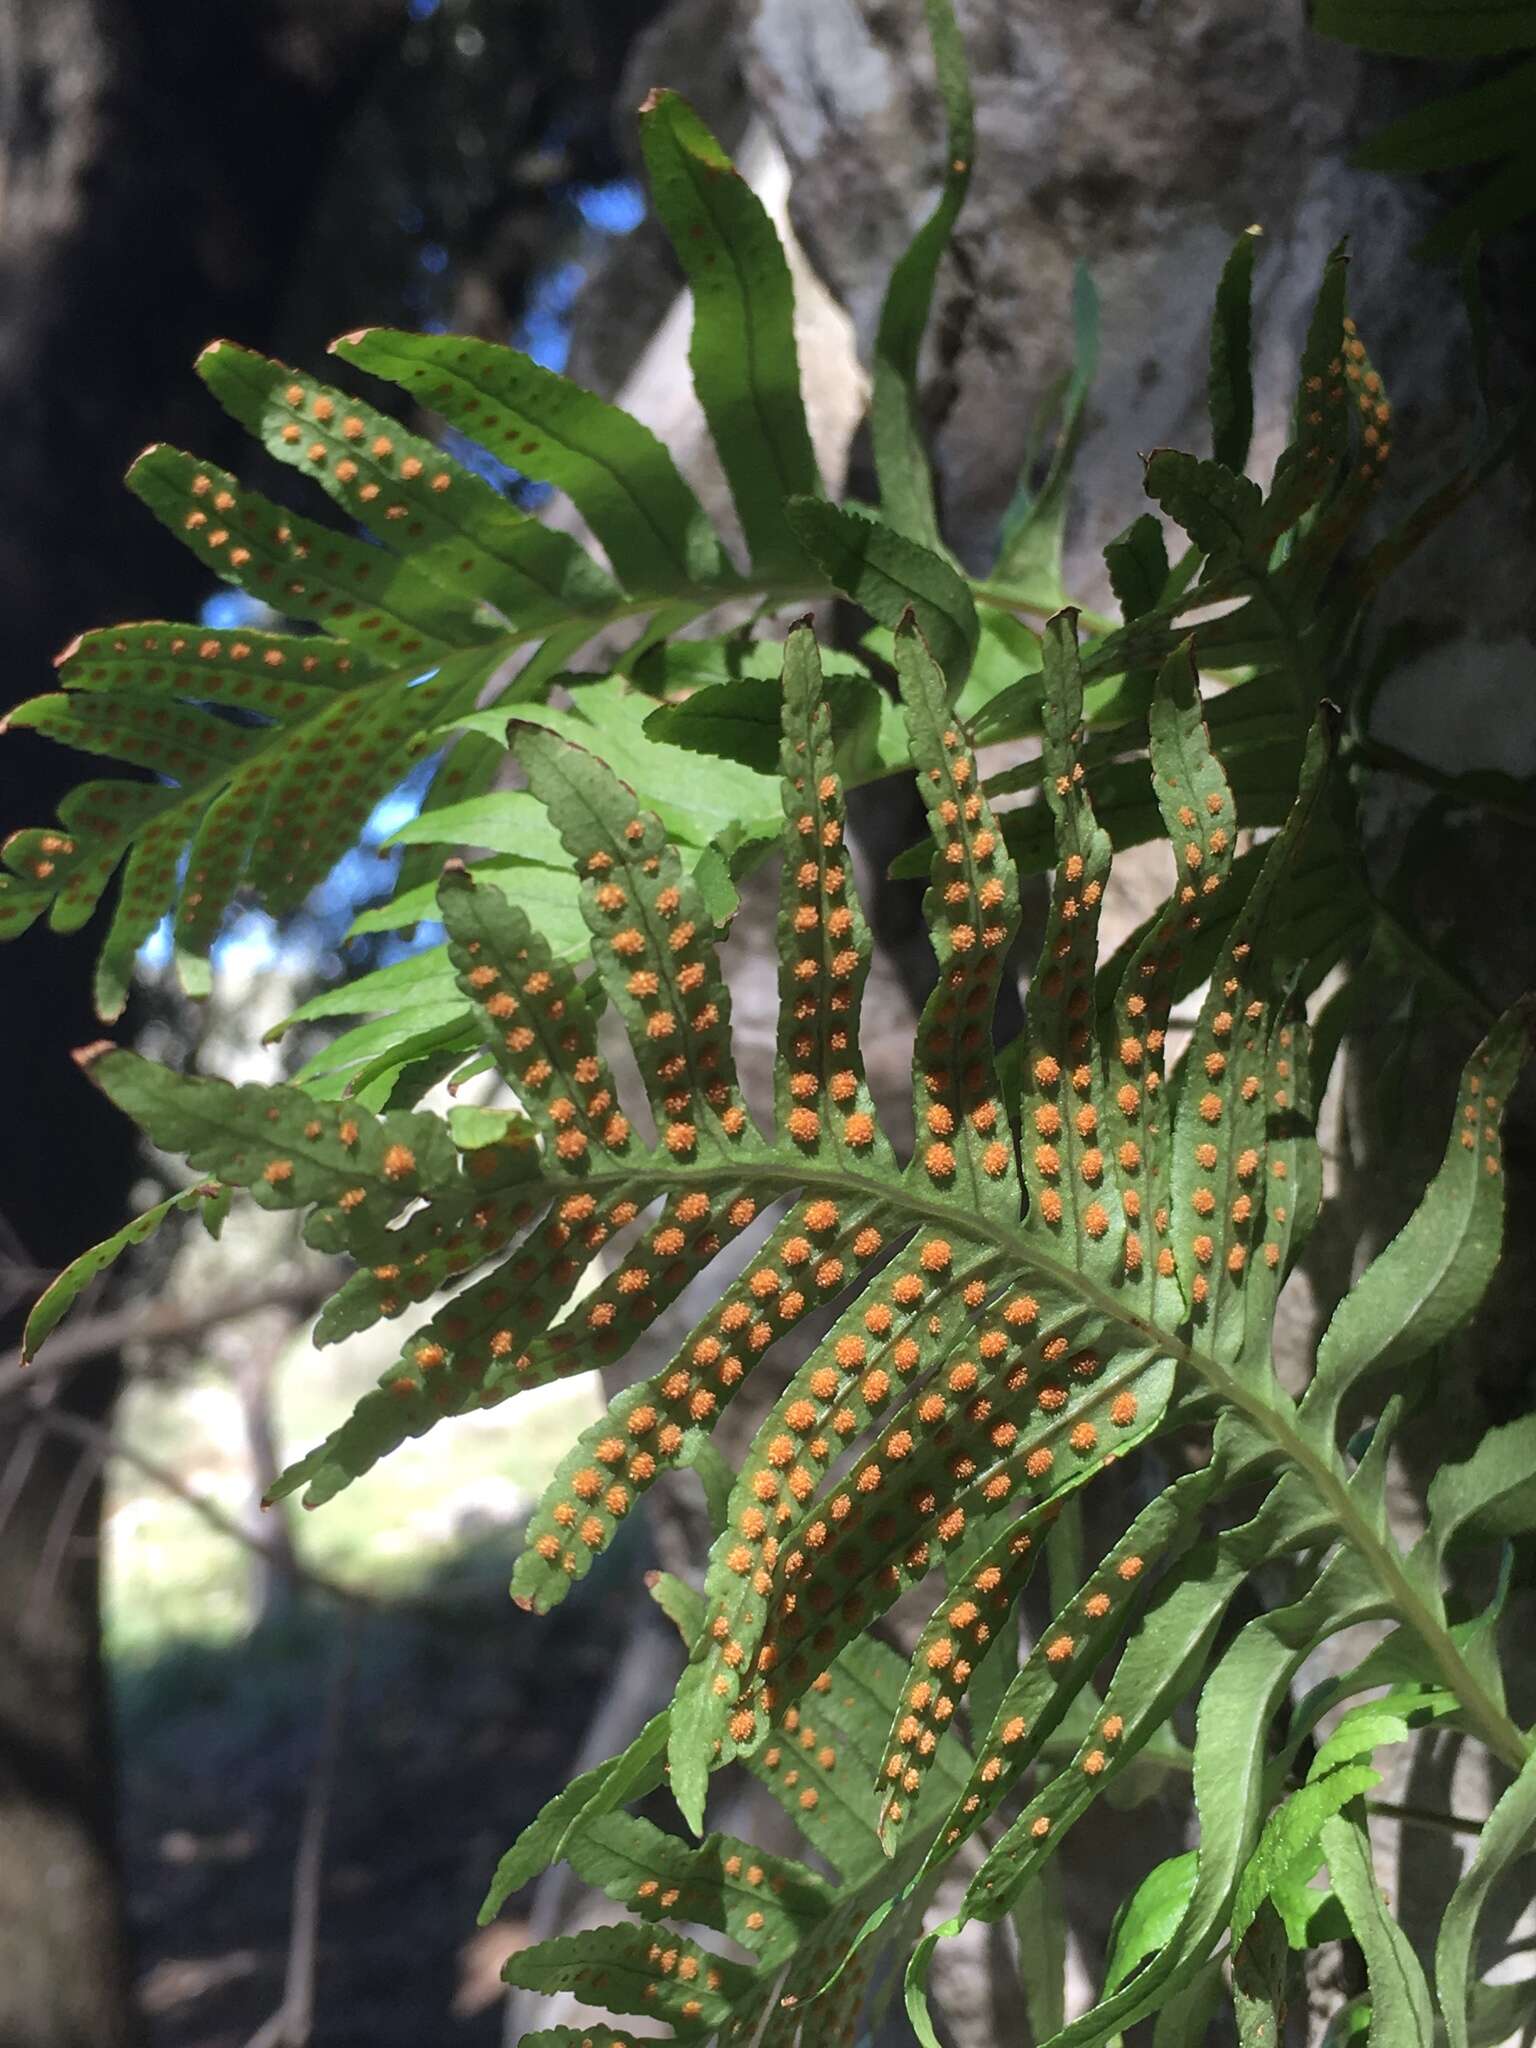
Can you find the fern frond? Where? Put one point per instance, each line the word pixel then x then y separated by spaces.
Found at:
pixel 1043 1287
pixel 413 634
pixel 1081 1261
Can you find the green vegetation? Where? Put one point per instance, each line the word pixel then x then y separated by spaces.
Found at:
pixel 1076 1270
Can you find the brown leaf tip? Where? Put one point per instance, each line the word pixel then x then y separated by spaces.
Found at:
pixel 86 1056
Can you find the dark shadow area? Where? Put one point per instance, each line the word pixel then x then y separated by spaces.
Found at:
pixel 461 1717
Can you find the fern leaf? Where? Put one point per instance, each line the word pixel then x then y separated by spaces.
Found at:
pixel 1313 460
pixel 653 944
pixel 1231 374
pixel 354 1170
pixel 1434 1272
pixel 1401 2010
pixel 1425 28
pixel 767 1903
pixel 745 367
pixel 1031 544
pixel 889 575
pixel 603 1789
pixel 456 528
pixel 1040 1694
pixel 1238 1701
pixel 72 863
pixel 1041 1293
pixel 636 1969
pixel 1507 1835
pixel 389 609
pixel 618 475
pixel 901 463
pixel 207 1199
pixel 1291 1835
pixel 1137 562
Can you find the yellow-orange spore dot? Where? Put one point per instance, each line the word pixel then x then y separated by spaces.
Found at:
pixel 1050 1205
pixel 866 1244
pixel 935 1255
pixel 1095 1219
pixel 1047 1071
pixel 1083 1438
pixel 1128 1568
pixel 1094 1762
pixel 276 1171
pixel 1040 1827
pixel 859 1130
pixel 1038 1463
pixel 399 1161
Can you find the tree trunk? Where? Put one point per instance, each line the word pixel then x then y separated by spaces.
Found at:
pixel 157 164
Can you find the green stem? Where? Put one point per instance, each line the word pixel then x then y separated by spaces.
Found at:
pixel 1490 787
pixel 1004 600
pixel 1424 1817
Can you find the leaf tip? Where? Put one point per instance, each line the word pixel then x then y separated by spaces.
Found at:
pixel 354 339
pixel 85 1057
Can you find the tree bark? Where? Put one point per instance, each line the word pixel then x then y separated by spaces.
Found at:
pixel 157 164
